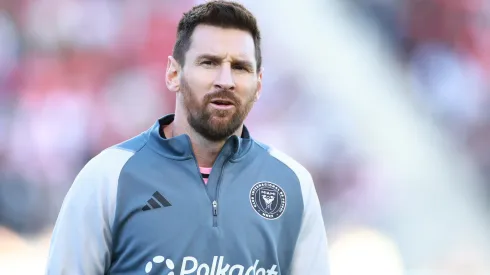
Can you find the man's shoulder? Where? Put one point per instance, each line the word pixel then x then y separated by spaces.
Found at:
pixel 133 144
pixel 107 161
pixel 120 152
pixel 100 175
pixel 113 158
pixel 288 161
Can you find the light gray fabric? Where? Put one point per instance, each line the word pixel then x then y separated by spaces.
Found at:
pixel 164 219
pixel 82 237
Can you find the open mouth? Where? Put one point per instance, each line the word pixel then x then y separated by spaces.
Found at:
pixel 222 102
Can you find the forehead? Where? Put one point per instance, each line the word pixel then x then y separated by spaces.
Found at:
pixel 233 43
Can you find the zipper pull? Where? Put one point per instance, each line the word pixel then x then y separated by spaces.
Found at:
pixel 215 208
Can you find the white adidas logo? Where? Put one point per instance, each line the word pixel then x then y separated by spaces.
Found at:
pixel 190 265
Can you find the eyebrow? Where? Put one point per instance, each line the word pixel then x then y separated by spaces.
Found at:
pixel 217 58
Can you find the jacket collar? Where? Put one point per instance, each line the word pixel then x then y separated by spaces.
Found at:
pixel 180 147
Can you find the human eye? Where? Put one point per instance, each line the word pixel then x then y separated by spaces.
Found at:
pixel 207 63
pixel 241 68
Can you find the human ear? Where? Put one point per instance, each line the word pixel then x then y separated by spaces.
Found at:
pixel 259 85
pixel 172 75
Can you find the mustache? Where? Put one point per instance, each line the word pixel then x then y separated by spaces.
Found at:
pixel 222 94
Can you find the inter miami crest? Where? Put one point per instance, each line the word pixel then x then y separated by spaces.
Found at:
pixel 268 199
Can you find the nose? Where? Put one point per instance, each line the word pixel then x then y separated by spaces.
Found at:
pixel 224 79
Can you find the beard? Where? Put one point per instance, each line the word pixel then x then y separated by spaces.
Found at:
pixel 214 124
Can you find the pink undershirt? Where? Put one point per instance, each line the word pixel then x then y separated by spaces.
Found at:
pixel 206 171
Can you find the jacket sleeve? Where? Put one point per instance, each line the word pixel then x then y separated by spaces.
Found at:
pixel 310 255
pixel 82 237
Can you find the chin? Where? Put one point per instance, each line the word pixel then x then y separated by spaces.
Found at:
pixel 222 115
pixel 219 122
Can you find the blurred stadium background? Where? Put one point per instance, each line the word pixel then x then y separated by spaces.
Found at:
pixel 386 102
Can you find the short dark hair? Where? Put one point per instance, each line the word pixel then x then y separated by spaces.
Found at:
pixel 224 14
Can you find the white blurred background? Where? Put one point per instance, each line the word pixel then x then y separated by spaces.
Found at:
pixel 387 100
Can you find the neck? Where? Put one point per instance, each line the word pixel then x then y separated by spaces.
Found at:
pixel 205 151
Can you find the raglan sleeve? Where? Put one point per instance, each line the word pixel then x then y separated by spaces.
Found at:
pixel 311 251
pixel 82 239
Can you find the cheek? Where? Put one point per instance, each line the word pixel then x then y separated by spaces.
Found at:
pixel 199 80
pixel 248 89
pixel 196 88
pixel 194 100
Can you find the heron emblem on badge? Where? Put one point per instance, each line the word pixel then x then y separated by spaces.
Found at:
pixel 268 199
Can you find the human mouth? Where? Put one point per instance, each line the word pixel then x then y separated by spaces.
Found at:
pixel 222 104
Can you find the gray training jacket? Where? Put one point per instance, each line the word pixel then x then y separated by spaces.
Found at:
pixel 141 207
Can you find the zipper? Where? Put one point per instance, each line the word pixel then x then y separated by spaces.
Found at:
pixel 215 202
pixel 215 213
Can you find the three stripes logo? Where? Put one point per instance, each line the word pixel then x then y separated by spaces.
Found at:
pixel 156 201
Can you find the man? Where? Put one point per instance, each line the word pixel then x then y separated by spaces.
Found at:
pixel 195 194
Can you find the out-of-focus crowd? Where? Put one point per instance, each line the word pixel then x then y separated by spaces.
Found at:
pixel 79 76
pixel 75 77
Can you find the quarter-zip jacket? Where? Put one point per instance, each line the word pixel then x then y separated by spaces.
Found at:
pixel 141 207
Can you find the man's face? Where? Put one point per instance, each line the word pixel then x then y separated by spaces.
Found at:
pixel 219 82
